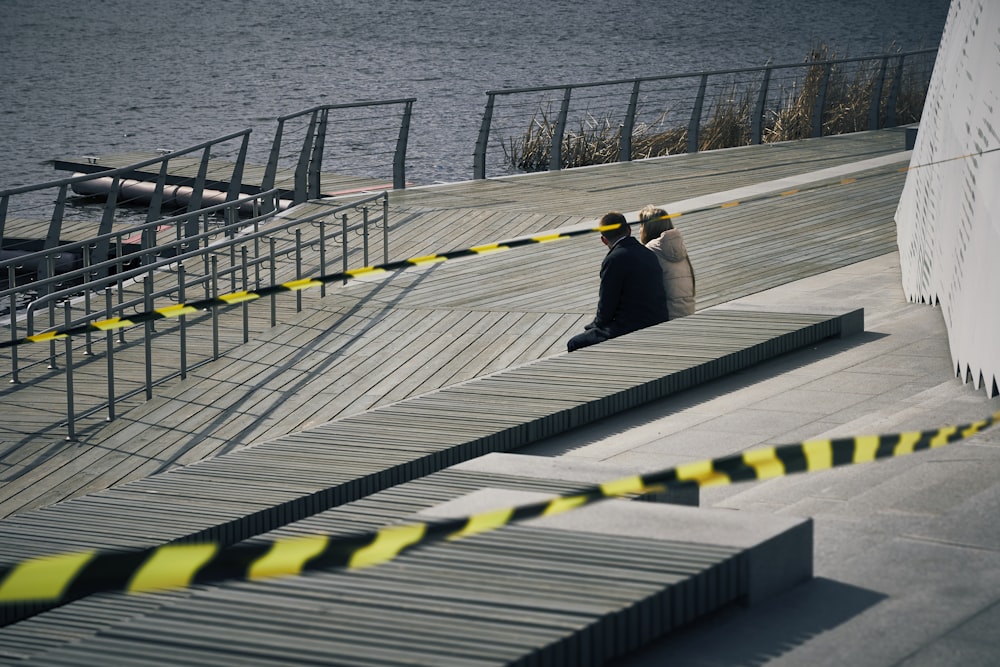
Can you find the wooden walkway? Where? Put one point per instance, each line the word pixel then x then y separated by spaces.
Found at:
pixel 374 342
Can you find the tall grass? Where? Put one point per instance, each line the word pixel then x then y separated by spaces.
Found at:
pixel 728 120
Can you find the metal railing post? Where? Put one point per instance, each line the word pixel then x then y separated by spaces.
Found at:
pixel 215 311
pixel 182 320
pixel 695 124
pixel 399 157
pixel 757 122
pixel 148 338
pixel 897 84
pixel 820 106
pixel 11 277
pixel 322 254
pixel 625 141
pixel 274 281
pixel 364 234
pixel 246 304
pixel 479 158
pixel 555 151
pixel 385 229
pixel 876 101
pixel 70 408
pixel 110 339
pixel 298 269
pixel 343 238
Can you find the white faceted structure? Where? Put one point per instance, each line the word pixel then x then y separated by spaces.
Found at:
pixel 948 219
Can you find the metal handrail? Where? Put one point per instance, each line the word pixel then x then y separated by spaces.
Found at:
pixel 238 236
pixel 555 149
pixel 310 157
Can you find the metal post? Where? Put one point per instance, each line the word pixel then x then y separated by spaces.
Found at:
pixel 897 84
pixel 757 122
pixel 625 141
pixel 182 320
pixel 110 339
pixel 87 350
pixel 343 239
pixel 316 155
pixel 820 106
pixel 695 124
pixel 479 159
pixel 302 168
pixel 385 229
pixel 322 254
pixel 876 101
pixel 555 150
pixel 148 342
pixel 246 305
pixel 50 268
pixel 298 269
pixel 271 170
pixel 364 233
pixel 399 158
pixel 71 426
pixel 274 281
pixel 13 327
pixel 215 310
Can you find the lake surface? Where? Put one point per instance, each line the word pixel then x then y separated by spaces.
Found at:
pixel 106 76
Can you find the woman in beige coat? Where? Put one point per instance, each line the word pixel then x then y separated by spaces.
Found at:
pixel 658 234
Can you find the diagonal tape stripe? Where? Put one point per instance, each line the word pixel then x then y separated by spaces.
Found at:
pixel 46 578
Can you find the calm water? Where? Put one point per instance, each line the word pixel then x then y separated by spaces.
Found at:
pixel 106 76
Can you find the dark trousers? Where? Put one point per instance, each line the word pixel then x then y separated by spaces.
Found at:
pixel 587 338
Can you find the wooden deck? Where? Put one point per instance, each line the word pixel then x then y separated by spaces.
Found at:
pixel 374 342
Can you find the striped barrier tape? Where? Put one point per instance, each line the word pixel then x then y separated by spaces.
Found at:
pixel 234 298
pixel 64 577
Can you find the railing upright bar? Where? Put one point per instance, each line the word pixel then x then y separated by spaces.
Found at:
pixel 343 239
pixel 298 269
pixel 316 156
pixel 820 106
pixel 156 201
pixel 695 123
pixel 271 168
pixel 399 157
pixel 555 151
pixel 274 281
pixel 148 338
pixel 875 107
pixel 3 215
pixel 322 254
pixel 11 277
pixel 364 234
pixel 757 122
pixel 246 286
pixel 479 158
pixel 302 168
pixel 385 229
pixel 70 408
pixel 625 141
pixel 55 224
pixel 236 180
pixel 110 340
pixel 215 311
pixel 87 350
pixel 191 227
pixel 182 320
pixel 897 84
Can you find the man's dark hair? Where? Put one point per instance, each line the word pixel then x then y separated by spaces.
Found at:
pixel 615 233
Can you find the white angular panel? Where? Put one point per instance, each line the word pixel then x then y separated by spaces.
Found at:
pixel 948 219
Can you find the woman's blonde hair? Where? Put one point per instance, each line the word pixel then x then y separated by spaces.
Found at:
pixel 654 221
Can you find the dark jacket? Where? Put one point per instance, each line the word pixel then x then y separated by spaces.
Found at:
pixel 631 295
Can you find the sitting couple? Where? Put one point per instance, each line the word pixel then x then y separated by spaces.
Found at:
pixel 642 284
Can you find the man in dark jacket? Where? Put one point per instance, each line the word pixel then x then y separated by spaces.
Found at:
pixel 631 295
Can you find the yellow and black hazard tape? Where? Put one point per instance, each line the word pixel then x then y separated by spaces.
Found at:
pixel 234 298
pixel 69 576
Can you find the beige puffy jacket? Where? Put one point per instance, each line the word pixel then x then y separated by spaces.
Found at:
pixel 678 274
